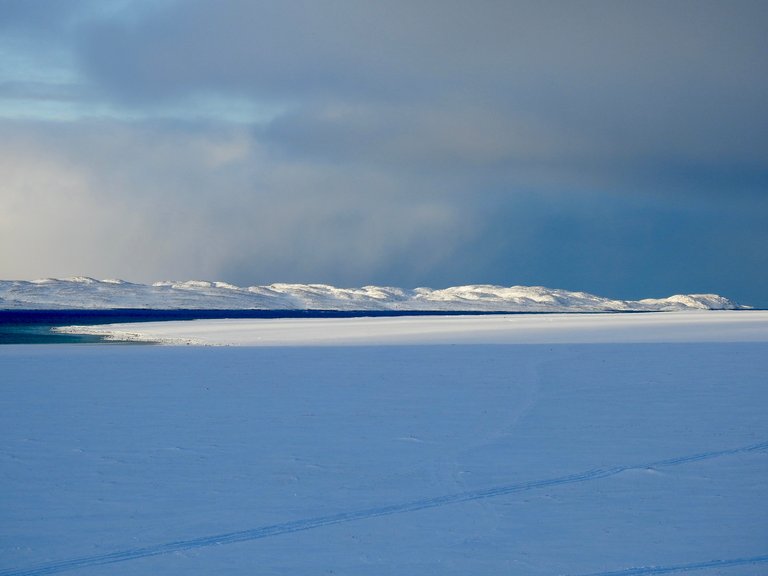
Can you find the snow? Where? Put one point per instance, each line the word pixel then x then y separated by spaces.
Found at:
pixel 88 293
pixel 719 326
pixel 609 444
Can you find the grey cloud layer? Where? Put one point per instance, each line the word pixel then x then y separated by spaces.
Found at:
pixel 566 85
pixel 616 147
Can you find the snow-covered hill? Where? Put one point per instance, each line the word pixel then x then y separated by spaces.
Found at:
pixel 87 293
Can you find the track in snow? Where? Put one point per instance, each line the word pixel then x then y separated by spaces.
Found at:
pixel 643 570
pixel 413 506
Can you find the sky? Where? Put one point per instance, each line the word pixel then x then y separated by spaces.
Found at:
pixel 614 147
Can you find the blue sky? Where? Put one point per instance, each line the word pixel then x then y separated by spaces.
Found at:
pixel 613 147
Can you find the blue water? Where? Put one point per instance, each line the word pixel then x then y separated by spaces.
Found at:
pixel 34 326
pixel 41 334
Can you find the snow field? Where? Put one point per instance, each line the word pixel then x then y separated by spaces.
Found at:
pixel 709 326
pixel 540 459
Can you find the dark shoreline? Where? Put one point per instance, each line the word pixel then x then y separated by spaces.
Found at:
pixel 67 316
pixel 34 326
pixel 29 326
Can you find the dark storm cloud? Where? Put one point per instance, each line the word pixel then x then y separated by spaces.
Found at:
pixel 616 147
pixel 617 83
pixel 301 49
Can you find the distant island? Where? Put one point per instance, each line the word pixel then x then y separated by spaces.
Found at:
pixel 83 293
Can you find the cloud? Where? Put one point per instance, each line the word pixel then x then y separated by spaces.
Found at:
pixel 586 87
pixel 149 202
pixel 605 146
pixel 303 49
pixel 38 16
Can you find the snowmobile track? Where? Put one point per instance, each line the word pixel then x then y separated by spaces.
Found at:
pixel 643 570
pixel 412 506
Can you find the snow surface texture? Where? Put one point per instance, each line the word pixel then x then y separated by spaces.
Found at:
pixel 602 459
pixel 740 326
pixel 87 293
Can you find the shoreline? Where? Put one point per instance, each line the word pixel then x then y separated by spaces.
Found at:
pixel 733 326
